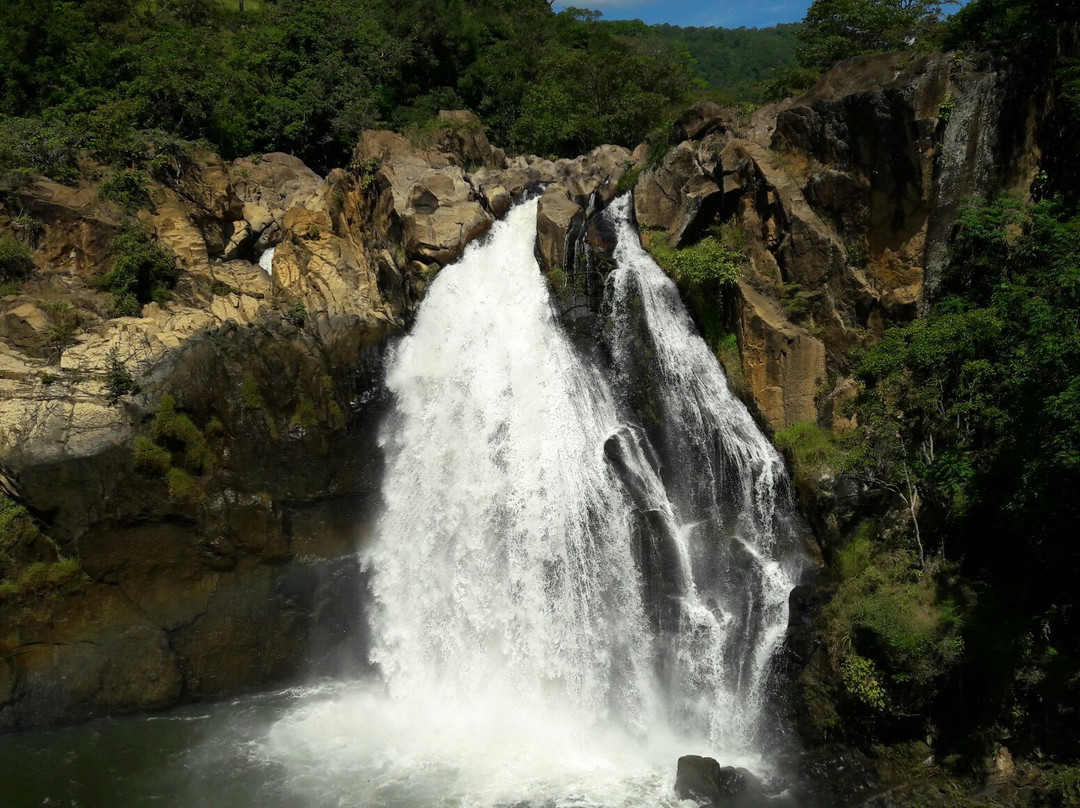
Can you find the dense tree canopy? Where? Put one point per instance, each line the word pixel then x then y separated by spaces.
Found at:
pixel 122 78
pixel 736 61
pixel 838 29
pixel 1011 26
pixel 972 415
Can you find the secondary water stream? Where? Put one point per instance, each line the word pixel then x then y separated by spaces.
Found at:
pixel 581 573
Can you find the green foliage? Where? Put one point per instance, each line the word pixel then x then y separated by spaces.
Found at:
pixel 707 261
pixel 971 415
pixel 150 458
pixel 329 399
pixel 797 301
pixel 862 681
pixel 365 171
pixel 17 527
pixel 736 61
pixel 559 281
pixel 627 180
pixel 979 399
pixel 142 270
pixel 892 627
pixel 184 489
pixel 1024 28
pixel 135 83
pixel 28 229
pixel 124 305
pixel 838 29
pixel 250 393
pixel 727 352
pixel 127 189
pixel 177 432
pixel 64 576
pixel 813 451
pixel 16 261
pixel 63 323
pixel 599 84
pixel 49 147
pixel 305 415
pixel 29 561
pixel 55 576
pixel 118 379
pixel 785 82
pixel 1060 785
pixel 296 314
pixel 946 107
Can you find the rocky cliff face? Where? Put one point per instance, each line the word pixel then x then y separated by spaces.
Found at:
pixel 843 201
pixel 208 513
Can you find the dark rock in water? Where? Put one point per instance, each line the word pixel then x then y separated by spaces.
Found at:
pixel 706 781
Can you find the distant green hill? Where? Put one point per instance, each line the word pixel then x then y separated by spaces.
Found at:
pixel 732 60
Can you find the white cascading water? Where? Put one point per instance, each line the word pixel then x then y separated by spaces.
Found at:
pixel 520 661
pixel 502 561
pixel 729 490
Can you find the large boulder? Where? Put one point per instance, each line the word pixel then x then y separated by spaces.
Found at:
pixel 702 119
pixel 461 135
pixel 705 781
pixel 423 196
pixel 25 326
pixel 559 220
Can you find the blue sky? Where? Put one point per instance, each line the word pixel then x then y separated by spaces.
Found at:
pixel 726 13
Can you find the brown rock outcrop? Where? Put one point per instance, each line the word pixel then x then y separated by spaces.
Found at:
pixel 194 582
pixel 784 366
pixel 558 220
pixel 844 199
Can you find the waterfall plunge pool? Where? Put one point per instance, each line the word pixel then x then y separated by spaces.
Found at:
pixel 332 746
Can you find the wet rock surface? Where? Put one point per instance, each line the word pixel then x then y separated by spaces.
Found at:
pixel 705 781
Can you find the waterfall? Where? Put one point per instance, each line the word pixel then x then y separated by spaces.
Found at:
pixel 503 557
pixel 729 490
pixel 567 595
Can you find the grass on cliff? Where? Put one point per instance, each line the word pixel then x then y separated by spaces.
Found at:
pixel 21 538
pixel 64 576
pixel 142 271
pixel 177 433
pixel 17 529
pixel 177 452
pixel 813 450
pixel 892 633
pixel 709 261
pixel 15 260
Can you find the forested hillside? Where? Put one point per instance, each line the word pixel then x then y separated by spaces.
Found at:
pixel 125 79
pixel 735 61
